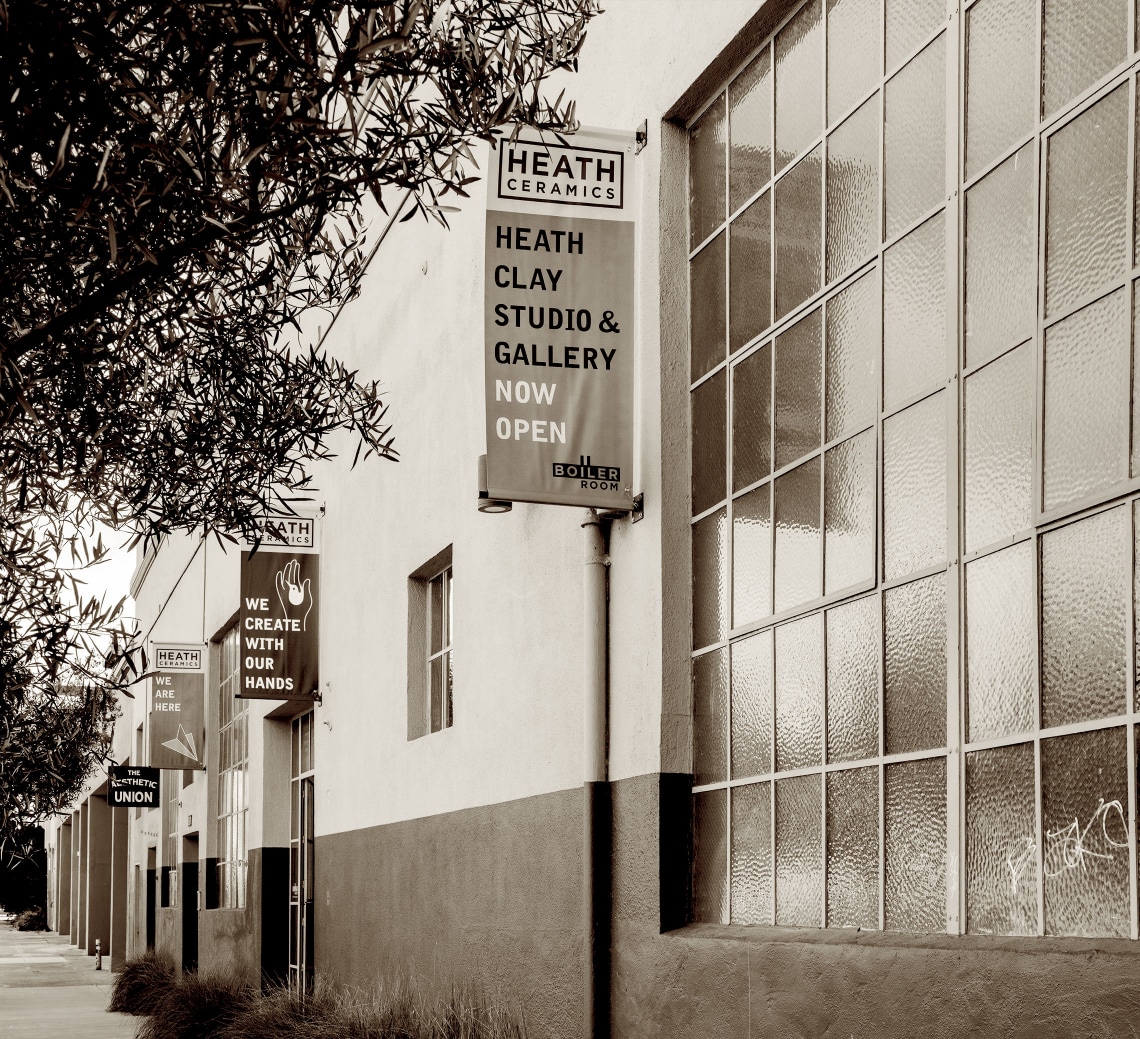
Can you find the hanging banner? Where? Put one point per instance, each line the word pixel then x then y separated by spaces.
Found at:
pixel 559 320
pixel 177 721
pixel 279 614
pixel 130 787
pixel 178 657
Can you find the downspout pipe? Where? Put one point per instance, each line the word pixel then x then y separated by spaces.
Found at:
pixel 596 804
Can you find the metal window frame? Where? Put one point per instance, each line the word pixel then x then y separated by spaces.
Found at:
pixel 233 770
pixel 446 578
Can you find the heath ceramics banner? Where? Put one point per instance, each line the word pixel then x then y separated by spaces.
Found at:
pixel 177 721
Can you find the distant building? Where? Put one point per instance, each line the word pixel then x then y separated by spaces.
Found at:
pixel 871 679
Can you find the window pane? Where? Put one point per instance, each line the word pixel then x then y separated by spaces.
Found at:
pixel 752 705
pixel 1001 841
pixel 853 848
pixel 914 146
pixel 914 313
pixel 436 667
pixel 1084 39
pixel 852 353
pixel 752 854
pixel 752 556
pixel 799 364
pixel 1084 799
pixel 708 456
pixel 1087 202
pixel 853 680
pixel 710 717
pixel 798 235
pixel 799 852
pixel 1084 597
pixel 909 22
pixel 914 693
pixel 710 579
pixel 707 173
pixel 854 52
pixel 915 830
pixel 914 487
pixel 750 128
pixel 1001 259
pixel 797 536
pixel 750 296
pixel 799 83
pixel 999 448
pixel 752 418
pixel 710 866
pixel 849 512
pixel 1001 77
pixel 799 693
pixel 853 190
pixel 1001 643
pixel 1086 401
pixel 706 308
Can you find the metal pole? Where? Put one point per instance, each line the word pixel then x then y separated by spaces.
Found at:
pixel 596 808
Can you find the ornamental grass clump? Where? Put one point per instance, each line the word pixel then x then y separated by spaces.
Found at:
pixel 197 1007
pixel 142 983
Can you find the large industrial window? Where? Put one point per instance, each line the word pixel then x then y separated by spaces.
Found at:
pixel 915 451
pixel 233 778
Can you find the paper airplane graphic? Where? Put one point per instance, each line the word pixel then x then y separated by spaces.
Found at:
pixel 183 743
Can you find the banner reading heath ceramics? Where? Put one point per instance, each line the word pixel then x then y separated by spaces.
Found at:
pixel 279 614
pixel 176 729
pixel 559 328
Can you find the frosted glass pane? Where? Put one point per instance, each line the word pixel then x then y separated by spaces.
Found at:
pixel 914 146
pixel 706 308
pixel 1084 602
pixel 710 579
pixel 799 373
pixel 752 556
pixel 710 402
pixel 707 173
pixel 798 234
pixel 999 448
pixel 799 693
pixel 750 295
pixel 1084 39
pixel 854 52
pixel 1001 841
pixel 1001 643
pixel 1136 378
pixel 853 680
pixel 852 353
pixel 799 852
pixel 1086 401
pixel 909 22
pixel 1001 259
pixel 1001 77
pixel 1087 202
pixel 752 418
pixel 752 705
pixel 752 854
pixel 710 857
pixel 710 717
pixel 914 889
pixel 853 190
pixel 914 690
pixel 797 536
pixel 914 487
pixel 750 129
pixel 1084 806
pixel 853 848
pixel 799 83
pixel 849 512
pixel 914 313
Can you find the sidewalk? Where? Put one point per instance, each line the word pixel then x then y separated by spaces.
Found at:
pixel 50 990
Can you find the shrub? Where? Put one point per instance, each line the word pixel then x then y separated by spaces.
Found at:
pixel 142 983
pixel 198 1007
pixel 33 919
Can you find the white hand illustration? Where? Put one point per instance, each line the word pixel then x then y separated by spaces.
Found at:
pixel 292 593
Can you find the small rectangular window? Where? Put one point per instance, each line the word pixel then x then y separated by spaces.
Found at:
pixel 430 624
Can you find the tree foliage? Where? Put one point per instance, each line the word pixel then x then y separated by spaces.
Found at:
pixel 183 182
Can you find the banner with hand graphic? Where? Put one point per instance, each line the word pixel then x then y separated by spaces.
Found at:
pixel 279 624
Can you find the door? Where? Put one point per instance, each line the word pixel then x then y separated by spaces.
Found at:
pixel 190 899
pixel 301 856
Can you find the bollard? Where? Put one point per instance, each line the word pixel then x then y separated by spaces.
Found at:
pixel 98 954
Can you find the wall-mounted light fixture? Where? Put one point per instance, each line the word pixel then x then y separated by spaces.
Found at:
pixel 486 502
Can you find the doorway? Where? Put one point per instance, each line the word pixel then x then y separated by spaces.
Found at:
pixel 190 899
pixel 301 855
pixel 151 895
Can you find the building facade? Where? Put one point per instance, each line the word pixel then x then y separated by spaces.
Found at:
pixel 871 648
